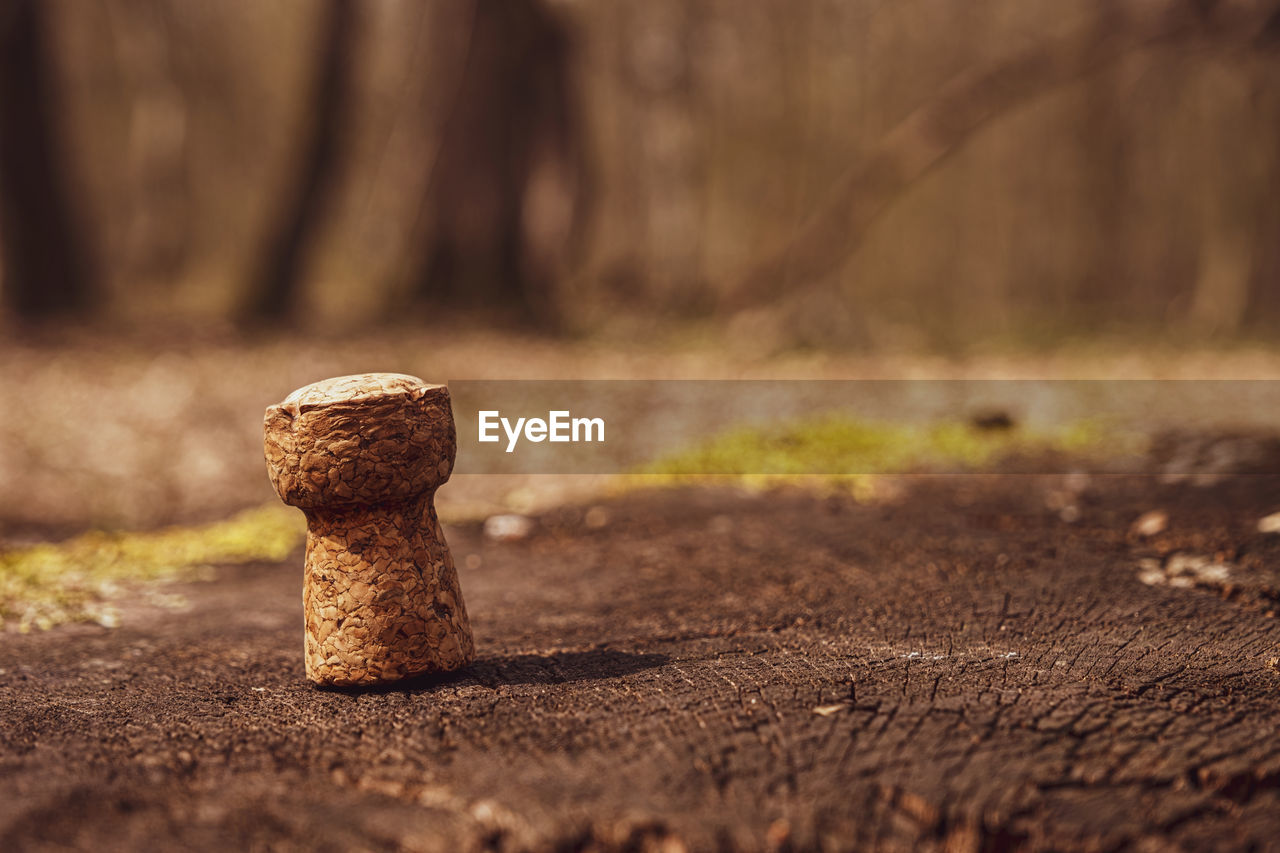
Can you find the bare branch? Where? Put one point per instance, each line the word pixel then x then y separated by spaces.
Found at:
pixel 965 105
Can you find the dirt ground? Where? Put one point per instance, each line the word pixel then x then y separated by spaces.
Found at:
pixel 986 662
pixel 130 433
pixel 970 662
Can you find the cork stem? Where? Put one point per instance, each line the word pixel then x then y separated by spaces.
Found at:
pixel 381 594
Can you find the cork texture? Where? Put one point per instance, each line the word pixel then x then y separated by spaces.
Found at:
pixel 362 457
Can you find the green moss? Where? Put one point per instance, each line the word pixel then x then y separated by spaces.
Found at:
pixel 836 451
pixel 44 585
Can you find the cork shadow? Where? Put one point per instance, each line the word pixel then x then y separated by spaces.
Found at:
pixel 546 669
pixel 563 667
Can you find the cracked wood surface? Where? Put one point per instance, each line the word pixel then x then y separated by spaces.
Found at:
pixel 959 669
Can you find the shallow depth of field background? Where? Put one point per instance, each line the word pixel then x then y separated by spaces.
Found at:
pixel 206 205
pixel 620 168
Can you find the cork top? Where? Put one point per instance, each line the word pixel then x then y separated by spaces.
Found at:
pixel 364 439
pixel 353 389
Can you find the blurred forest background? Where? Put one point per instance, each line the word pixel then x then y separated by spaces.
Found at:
pixel 851 172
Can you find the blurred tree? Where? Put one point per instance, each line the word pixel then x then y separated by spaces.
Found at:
pixel 972 167
pixel 973 99
pixel 1265 296
pixel 509 186
pixel 666 146
pixel 158 217
pixel 274 294
pixel 48 269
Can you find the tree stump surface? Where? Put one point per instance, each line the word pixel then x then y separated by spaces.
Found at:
pixel 980 663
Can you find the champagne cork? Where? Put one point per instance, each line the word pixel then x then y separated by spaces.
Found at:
pixel 362 457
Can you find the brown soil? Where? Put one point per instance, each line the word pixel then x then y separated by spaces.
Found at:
pixel 985 663
pixel 111 431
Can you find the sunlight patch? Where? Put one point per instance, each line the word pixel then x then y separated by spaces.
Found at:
pixel 838 452
pixel 73 581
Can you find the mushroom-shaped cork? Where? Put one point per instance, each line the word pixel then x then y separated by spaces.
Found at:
pixel 362 457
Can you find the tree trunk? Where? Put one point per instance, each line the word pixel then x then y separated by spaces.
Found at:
pixel 505 197
pixel 967 667
pixel 47 264
pixel 274 295
pixel 158 215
